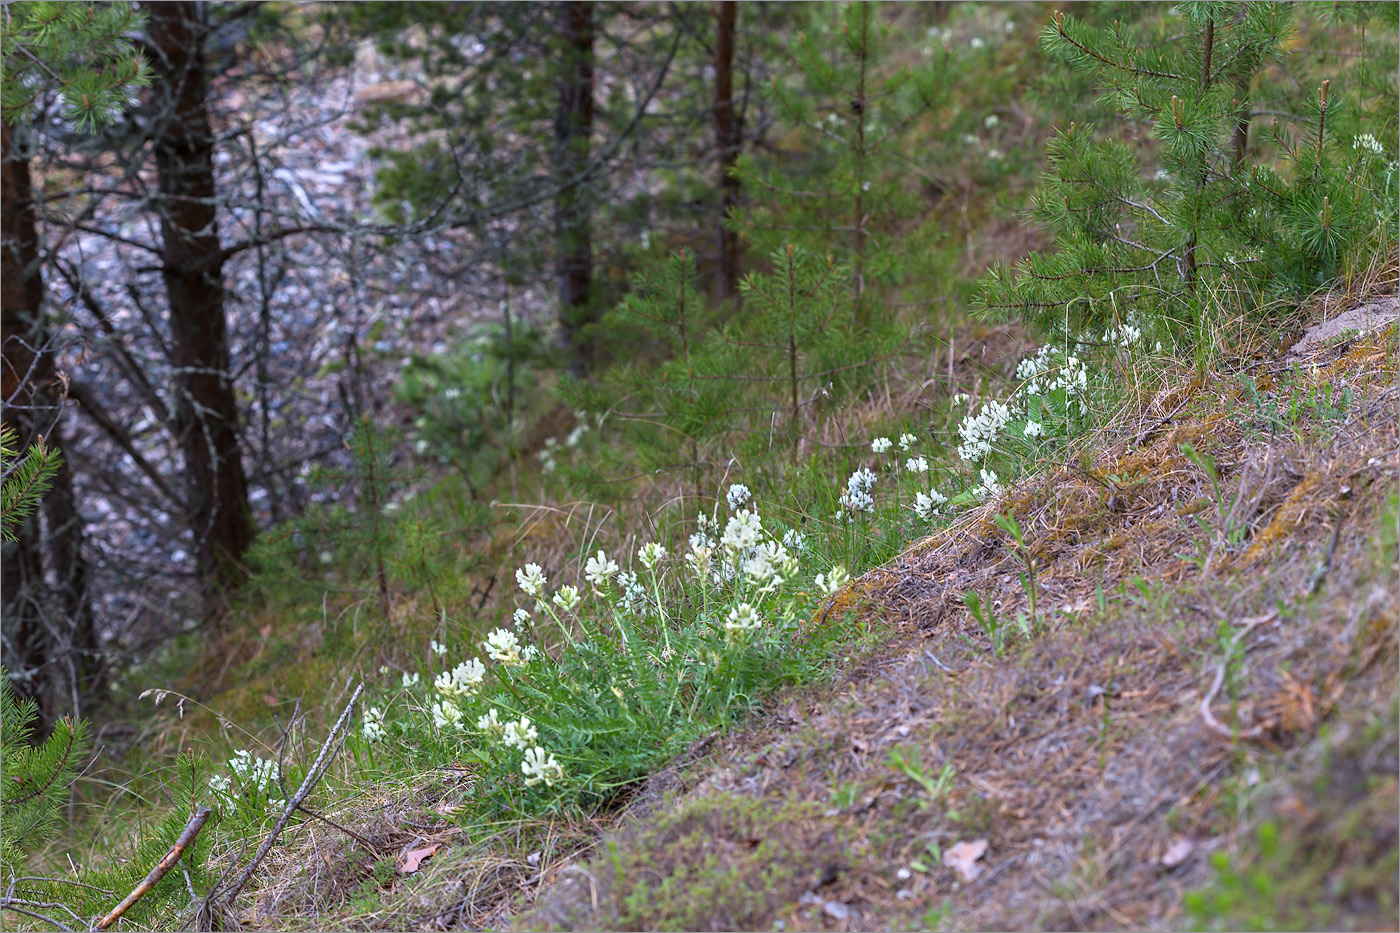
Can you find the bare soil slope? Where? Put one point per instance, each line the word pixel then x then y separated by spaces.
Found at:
pixel 1202 729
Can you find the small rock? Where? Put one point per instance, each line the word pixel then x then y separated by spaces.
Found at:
pixel 962 858
pixel 836 910
pixel 1178 852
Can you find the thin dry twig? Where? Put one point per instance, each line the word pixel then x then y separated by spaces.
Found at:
pixel 167 862
pixel 312 777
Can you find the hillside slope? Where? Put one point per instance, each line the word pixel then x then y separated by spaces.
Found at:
pixel 1201 729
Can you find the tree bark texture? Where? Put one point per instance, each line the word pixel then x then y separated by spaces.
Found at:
pixel 206 414
pixel 53 642
pixel 573 132
pixel 728 140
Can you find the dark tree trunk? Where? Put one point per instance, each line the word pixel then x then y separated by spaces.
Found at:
pixel 60 657
pixel 573 132
pixel 728 140
pixel 21 294
pixel 73 577
pixel 206 414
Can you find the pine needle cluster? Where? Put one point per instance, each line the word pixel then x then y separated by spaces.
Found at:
pixel 79 50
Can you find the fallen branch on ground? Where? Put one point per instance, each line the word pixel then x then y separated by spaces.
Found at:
pixel 167 862
pixel 312 777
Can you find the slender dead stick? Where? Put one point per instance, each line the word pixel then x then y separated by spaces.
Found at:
pixel 312 777
pixel 167 862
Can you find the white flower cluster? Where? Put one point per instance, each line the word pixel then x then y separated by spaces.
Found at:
pixel 881 445
pixel 738 495
pixel 927 505
pixel 651 554
pixel 447 715
pixel 531 579
pixel 252 773
pixel 540 765
pixel 1368 143
pixel 832 580
pixel 599 569
pixel 979 432
pixel 916 465
pixel 742 532
pixel 1040 374
pixel 857 497
pixel 1125 335
pixel 991 487
pixel 633 592
pixel 462 681
pixel 503 646
pixel 742 620
pixel 566 598
pixel 547 457
pixel 373 726
pixel 907 441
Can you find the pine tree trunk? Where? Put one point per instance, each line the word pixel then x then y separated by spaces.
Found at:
pixel 192 267
pixel 31 406
pixel 573 131
pixel 65 538
pixel 728 140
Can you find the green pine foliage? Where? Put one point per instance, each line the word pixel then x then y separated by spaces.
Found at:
pixel 34 778
pixel 35 783
pixel 1153 230
pixel 79 50
pixel 853 122
pixel 26 480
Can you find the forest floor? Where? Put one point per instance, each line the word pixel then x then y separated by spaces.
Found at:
pixel 1197 726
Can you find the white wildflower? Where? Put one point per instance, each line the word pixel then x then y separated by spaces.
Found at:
pixel 633 592
pixel 991 487
pixel 742 531
pixel 794 540
pixel 540 765
pixel 832 580
pixel 409 680
pixel 767 562
pixel 490 723
pixel 981 431
pixel 991 121
pixel 738 495
pixel 521 618
pixel 531 579
pixel 959 399
pixel 566 598
pixel 881 445
pixel 651 554
pixel 373 726
pixel 462 681
pixel 437 647
pixel 447 715
pixel 502 645
pixel 742 620
pixel 1034 429
pixel 520 734
pixel 916 465
pixel 1368 143
pixel 599 568
pixel 927 505
pixel 906 441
